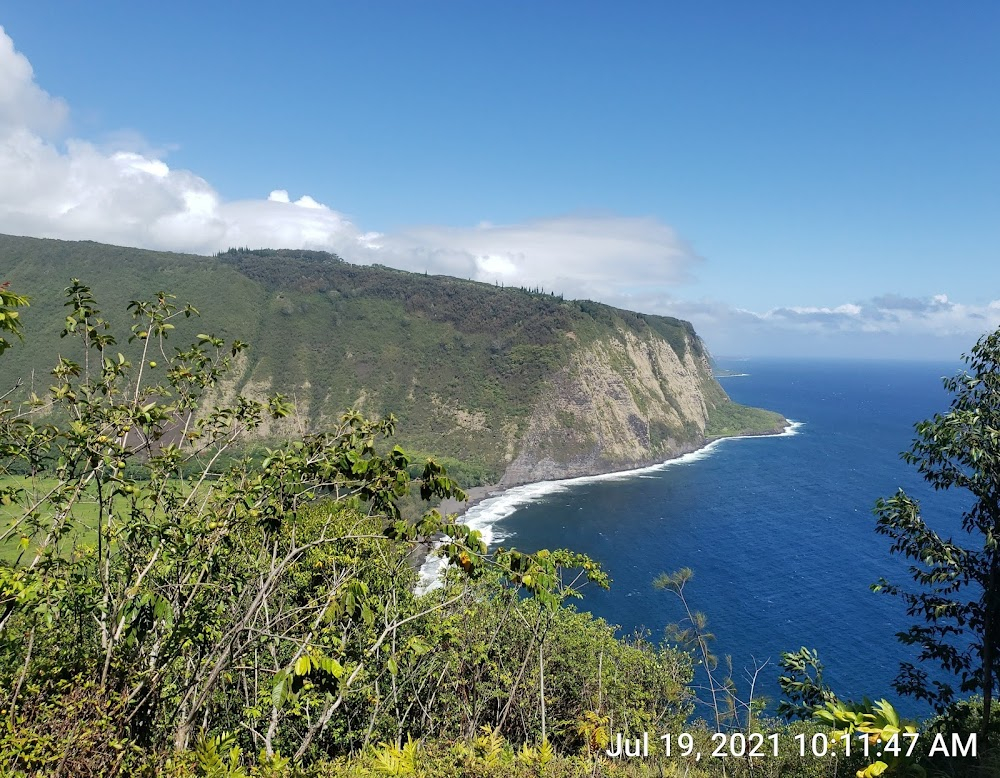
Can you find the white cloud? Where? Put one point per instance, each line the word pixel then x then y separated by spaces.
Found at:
pixel 23 105
pixel 130 195
pixel 903 326
pixel 847 308
pixel 131 161
pixel 588 256
pixel 122 191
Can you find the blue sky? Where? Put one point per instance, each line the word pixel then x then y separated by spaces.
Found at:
pixel 793 179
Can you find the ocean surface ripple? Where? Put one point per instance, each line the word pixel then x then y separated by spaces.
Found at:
pixel 778 529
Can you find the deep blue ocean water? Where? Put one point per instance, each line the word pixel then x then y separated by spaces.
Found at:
pixel 779 531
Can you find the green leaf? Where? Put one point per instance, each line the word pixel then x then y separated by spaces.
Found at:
pixel 278 692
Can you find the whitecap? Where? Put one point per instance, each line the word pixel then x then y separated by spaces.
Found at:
pixel 792 429
pixel 484 516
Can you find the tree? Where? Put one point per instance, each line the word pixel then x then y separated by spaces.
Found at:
pixel 175 584
pixel 958 603
pixel 145 556
pixel 9 317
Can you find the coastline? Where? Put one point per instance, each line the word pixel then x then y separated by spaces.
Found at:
pixel 474 495
pixel 504 499
pixel 478 494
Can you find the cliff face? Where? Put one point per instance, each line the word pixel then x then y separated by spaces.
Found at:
pixel 507 384
pixel 624 401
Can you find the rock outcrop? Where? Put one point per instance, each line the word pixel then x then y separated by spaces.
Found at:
pixel 621 402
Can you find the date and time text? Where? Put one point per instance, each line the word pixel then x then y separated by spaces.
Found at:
pixel 820 745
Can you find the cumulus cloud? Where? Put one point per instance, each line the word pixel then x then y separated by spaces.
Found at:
pixel 583 256
pixel 23 104
pixel 127 194
pixel 122 191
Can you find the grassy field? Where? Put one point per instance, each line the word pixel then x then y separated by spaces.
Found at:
pixel 83 515
pixel 82 519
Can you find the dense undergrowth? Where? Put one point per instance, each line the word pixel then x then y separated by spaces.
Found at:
pixel 171 607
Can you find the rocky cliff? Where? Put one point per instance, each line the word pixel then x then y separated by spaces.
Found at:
pixel 509 385
pixel 622 402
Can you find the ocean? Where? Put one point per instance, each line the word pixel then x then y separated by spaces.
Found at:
pixel 779 531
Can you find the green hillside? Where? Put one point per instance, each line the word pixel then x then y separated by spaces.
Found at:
pixel 462 365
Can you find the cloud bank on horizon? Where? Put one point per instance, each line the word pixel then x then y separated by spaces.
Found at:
pixel 62 187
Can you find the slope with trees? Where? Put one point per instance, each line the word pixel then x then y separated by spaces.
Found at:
pixel 476 372
pixel 231 615
pixel 221 606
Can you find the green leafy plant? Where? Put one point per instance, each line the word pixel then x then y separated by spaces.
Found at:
pixel 488 746
pixel 802 684
pixel 191 579
pixel 696 637
pixel 882 725
pixel 396 759
pixel 219 756
pixel 957 606
pixel 538 757
pixel 10 321
pixel 214 572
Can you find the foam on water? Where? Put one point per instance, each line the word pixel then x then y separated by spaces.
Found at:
pixel 485 516
pixel 792 429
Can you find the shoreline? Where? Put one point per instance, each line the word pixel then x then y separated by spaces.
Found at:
pixel 508 497
pixel 474 496
pixel 478 494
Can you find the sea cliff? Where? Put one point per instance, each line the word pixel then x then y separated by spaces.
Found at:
pixel 504 385
pixel 623 402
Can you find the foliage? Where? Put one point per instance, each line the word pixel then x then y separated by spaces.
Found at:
pixel 219 756
pixel 958 602
pixel 963 716
pixel 188 605
pixel 9 316
pixel 460 364
pixel 63 726
pixel 525 667
pixel 721 692
pixel 726 418
pixel 802 684
pixel 466 474
pixel 879 722
pixel 236 596
pixel 397 759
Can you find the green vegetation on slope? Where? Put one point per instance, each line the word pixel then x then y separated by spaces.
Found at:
pixel 727 418
pixel 460 364
pixel 258 618
pixel 265 605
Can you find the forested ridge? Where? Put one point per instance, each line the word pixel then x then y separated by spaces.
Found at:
pixel 462 365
